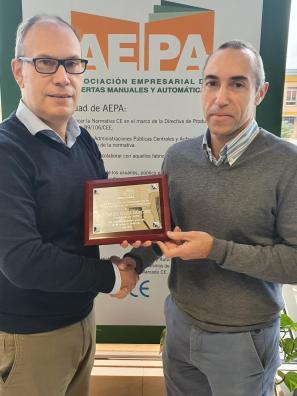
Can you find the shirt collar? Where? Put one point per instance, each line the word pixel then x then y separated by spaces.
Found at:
pixel 234 148
pixel 36 125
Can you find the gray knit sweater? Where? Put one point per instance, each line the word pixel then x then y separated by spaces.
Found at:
pixel 251 210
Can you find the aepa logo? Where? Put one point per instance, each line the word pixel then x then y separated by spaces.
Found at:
pixel 180 43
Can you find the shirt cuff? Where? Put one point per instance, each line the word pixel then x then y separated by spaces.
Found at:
pixel 118 280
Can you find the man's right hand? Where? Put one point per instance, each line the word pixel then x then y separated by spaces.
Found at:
pixel 129 276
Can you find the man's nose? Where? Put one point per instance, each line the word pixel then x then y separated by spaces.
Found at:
pixel 222 97
pixel 61 76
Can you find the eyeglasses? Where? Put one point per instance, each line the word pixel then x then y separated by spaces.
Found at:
pixel 50 65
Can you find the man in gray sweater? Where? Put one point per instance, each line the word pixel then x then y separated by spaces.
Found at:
pixel 233 192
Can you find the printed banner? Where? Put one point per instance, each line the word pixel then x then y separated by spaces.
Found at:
pixel 141 94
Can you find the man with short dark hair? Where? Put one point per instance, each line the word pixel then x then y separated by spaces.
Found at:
pixel 233 193
pixel 48 278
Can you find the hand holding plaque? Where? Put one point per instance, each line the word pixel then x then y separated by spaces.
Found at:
pixel 135 208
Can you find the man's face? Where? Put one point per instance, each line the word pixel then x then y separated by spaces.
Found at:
pixel 229 93
pixel 52 97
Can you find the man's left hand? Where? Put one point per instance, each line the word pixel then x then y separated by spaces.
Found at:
pixel 187 245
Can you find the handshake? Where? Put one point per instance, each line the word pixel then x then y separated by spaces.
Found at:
pixel 129 276
pixel 190 245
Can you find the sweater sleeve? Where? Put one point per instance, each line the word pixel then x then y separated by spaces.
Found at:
pixel 276 262
pixel 25 259
pixel 145 256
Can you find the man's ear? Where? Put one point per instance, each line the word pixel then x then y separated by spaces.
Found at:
pixel 17 71
pixel 261 93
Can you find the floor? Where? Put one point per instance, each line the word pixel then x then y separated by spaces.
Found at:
pixel 127 370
